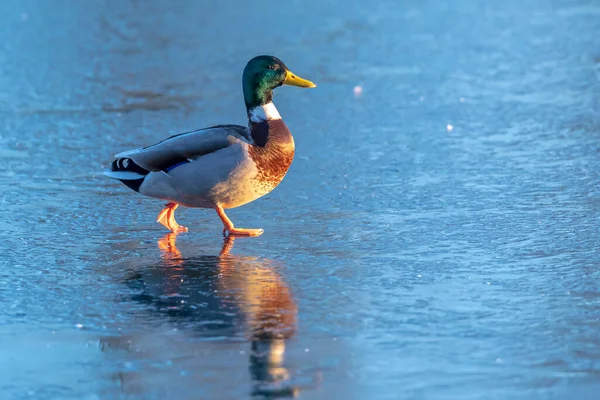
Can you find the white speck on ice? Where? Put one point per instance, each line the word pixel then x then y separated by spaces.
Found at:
pixel 462 99
pixel 357 90
pixel 306 350
pixel 419 276
pixel 449 128
pixel 78 326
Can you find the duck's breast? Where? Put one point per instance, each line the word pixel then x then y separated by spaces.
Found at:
pixel 274 158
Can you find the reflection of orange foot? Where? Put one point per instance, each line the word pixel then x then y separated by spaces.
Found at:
pixel 167 246
pixel 167 218
pixel 227 246
pixel 232 230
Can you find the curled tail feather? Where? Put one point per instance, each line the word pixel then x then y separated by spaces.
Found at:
pixel 128 172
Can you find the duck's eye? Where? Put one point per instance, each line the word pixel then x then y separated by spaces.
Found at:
pixel 271 66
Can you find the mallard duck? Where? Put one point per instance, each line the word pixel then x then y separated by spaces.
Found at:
pixel 223 166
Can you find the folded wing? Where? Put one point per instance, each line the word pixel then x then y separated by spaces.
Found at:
pixel 186 147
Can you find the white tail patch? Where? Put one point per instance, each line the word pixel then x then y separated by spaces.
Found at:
pixel 124 175
pixel 264 112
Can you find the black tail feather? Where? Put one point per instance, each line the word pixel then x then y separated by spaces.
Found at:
pixel 127 164
pixel 133 185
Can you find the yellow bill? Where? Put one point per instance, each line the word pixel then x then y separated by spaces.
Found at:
pixel 292 79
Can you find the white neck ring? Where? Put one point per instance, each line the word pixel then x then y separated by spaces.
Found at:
pixel 264 112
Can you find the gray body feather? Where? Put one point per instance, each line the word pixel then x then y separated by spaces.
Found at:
pixel 216 168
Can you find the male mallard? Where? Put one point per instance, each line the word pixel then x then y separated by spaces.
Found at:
pixel 224 166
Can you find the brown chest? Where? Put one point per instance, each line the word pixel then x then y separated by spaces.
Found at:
pixel 272 153
pixel 272 163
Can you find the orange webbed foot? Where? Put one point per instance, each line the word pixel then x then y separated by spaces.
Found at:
pixel 230 229
pixel 167 218
pixel 243 232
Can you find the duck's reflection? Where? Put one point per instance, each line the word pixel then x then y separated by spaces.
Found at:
pixel 226 296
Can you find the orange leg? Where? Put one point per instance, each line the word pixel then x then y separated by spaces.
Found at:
pixel 232 230
pixel 167 218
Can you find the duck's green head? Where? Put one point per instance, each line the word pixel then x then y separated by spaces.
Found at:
pixel 263 74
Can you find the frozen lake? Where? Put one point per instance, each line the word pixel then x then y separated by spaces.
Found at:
pixel 436 237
